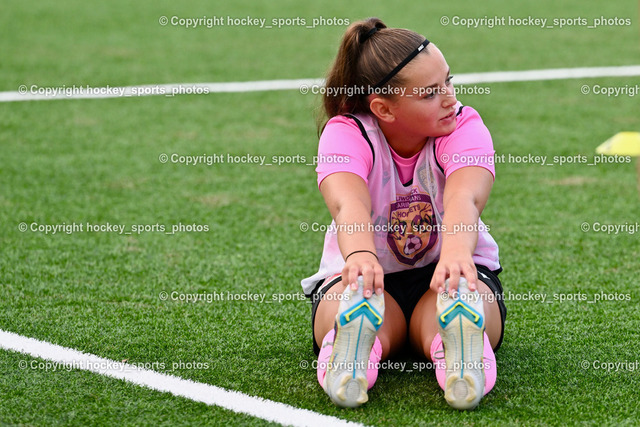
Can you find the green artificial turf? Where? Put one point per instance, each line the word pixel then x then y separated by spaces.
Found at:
pixel 97 162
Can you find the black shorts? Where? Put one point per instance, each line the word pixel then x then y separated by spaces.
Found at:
pixel 407 287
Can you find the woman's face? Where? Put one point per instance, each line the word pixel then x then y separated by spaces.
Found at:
pixel 426 109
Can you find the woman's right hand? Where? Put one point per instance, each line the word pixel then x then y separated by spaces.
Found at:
pixel 367 265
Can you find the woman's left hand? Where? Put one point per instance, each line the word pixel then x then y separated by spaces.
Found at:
pixel 453 266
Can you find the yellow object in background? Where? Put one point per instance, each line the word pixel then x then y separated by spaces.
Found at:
pixel 621 144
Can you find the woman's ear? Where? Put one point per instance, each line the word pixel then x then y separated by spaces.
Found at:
pixel 381 108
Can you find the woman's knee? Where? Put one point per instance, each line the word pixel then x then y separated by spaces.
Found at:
pixel 326 311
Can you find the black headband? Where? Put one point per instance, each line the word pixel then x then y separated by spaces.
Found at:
pixel 401 65
pixel 369 33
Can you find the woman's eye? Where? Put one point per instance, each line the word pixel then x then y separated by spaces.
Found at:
pixel 448 81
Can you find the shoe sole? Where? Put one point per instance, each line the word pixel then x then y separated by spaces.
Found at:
pixel 356 327
pixel 461 326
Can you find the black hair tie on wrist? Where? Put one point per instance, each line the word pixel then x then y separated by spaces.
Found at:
pixel 363 250
pixel 369 33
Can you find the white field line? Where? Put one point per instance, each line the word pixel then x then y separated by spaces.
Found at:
pixel 34 92
pixel 66 358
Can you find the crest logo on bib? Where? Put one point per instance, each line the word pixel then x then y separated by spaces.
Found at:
pixel 413 225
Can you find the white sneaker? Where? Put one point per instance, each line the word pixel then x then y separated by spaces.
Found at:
pixel 357 323
pixel 461 326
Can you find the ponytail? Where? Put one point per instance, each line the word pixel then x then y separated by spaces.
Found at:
pixel 367 53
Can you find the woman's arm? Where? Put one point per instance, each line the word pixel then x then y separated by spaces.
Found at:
pixel 466 192
pixel 347 197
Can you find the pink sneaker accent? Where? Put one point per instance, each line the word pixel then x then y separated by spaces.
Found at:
pixel 437 356
pixel 374 360
pixel 489 358
pixel 325 354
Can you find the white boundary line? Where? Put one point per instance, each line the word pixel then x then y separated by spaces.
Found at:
pixel 302 84
pixel 64 358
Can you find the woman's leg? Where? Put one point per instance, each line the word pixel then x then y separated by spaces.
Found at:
pixel 392 334
pixel 468 319
pixel 367 330
pixel 423 325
